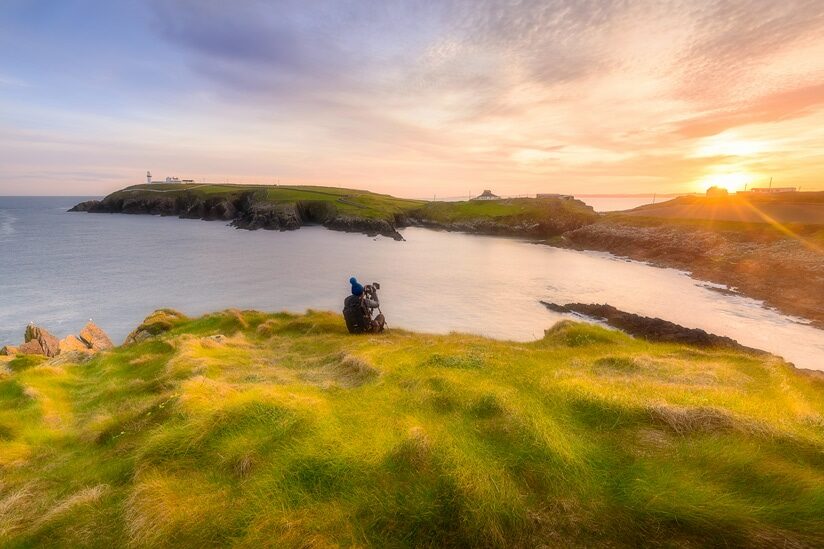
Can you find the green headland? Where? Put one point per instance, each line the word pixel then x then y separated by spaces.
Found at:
pixel 770 246
pixel 279 430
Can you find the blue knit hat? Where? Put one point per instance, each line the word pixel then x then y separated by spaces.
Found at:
pixel 357 289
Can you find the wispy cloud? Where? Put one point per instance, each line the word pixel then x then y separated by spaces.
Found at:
pixel 406 96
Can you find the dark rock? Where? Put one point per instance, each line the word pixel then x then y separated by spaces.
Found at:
pixel 651 329
pixel 155 324
pixel 48 344
pixel 245 210
pixel 371 227
pixel 9 350
pixel 32 347
pixel 86 206
pixel 268 215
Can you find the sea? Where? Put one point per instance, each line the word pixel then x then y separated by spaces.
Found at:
pixel 60 269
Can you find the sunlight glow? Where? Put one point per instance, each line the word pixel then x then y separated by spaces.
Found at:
pixel 727 144
pixel 732 181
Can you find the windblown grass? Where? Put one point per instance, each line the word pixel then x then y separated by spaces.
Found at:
pixel 258 430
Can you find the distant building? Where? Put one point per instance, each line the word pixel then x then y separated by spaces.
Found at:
pixel 767 190
pixel 717 191
pixel 187 180
pixel 487 195
pixel 172 180
pixel 555 195
pixel 149 178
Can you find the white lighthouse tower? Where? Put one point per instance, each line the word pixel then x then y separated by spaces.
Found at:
pixel 149 178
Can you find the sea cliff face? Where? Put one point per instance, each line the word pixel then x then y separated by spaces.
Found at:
pixel 245 210
pixel 286 209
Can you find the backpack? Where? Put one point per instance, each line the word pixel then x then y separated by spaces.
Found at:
pixel 354 316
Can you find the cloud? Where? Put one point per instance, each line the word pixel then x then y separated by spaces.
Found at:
pixel 419 92
pixel 768 108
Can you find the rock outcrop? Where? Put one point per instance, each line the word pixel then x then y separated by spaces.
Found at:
pixel 8 350
pixel 371 227
pixel 38 341
pixel 94 338
pixel 244 209
pixel 155 324
pixel 651 329
pixel 72 344
pixel 86 206
pixel 786 273
pixel 268 215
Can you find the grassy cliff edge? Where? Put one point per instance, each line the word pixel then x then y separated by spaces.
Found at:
pixel 291 207
pixel 253 429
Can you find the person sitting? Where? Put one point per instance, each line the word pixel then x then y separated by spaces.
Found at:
pixel 358 308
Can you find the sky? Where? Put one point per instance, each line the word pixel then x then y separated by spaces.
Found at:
pixel 413 98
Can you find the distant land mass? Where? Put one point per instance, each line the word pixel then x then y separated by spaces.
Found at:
pixel 766 246
pixel 291 207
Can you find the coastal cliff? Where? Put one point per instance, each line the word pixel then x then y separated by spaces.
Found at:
pixel 761 261
pixel 249 209
pixel 780 263
pixel 290 208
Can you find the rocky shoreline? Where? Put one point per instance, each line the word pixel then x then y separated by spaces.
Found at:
pixel 40 342
pixel 243 210
pixel 760 263
pixel 783 272
pixel 650 329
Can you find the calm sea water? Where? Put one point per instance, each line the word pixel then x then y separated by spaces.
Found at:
pixel 60 269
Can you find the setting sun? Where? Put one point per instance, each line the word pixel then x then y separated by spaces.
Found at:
pixel 484 273
pixel 732 181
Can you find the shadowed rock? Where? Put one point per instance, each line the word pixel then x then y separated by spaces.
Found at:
pixel 86 206
pixel 155 324
pixel 38 341
pixel 651 329
pixel 9 350
pixel 95 338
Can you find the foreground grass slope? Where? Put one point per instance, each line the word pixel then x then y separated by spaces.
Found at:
pixel 255 430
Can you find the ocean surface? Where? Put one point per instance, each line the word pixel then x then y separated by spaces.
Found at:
pixel 60 269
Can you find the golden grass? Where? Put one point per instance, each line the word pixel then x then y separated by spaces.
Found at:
pixel 253 430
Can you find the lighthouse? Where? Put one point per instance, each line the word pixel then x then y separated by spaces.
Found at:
pixel 148 178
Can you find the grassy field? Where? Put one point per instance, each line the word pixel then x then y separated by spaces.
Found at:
pixel 280 430
pixel 781 208
pixel 365 204
pixel 514 208
pixel 746 231
pixel 346 201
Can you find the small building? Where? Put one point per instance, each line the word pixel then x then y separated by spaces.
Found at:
pixel 768 190
pixel 487 195
pixel 717 191
pixel 187 180
pixel 172 180
pixel 555 195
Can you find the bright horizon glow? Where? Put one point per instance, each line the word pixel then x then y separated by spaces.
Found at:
pixel 731 181
pixel 412 98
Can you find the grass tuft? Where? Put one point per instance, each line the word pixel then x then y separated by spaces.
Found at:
pixel 251 429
